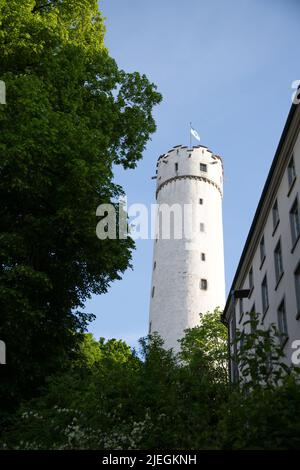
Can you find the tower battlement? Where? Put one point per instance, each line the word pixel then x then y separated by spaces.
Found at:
pixel 182 161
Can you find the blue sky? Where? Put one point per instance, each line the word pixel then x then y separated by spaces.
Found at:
pixel 228 68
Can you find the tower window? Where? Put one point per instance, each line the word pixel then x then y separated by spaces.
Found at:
pixel 176 166
pixel 202 256
pixel 203 167
pixel 200 201
pixel 154 265
pixel 203 284
pixel 202 228
pixel 153 290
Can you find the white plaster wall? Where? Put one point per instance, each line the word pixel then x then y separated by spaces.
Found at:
pixel 178 299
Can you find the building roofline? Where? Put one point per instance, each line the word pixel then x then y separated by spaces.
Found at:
pixel 260 204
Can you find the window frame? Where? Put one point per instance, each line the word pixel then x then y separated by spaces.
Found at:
pixel 265 295
pixel 284 332
pixel 291 172
pixel 295 222
pixel 262 250
pixel 275 215
pixel 297 289
pixel 250 281
pixel 278 263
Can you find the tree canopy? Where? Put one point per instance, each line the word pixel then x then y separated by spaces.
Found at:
pixel 70 115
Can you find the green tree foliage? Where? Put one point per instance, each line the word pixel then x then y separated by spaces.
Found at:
pixel 206 346
pixel 114 398
pixel 263 408
pixel 260 356
pixel 71 115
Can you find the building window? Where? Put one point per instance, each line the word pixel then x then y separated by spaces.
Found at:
pixel 291 171
pixel 295 221
pixel 262 250
pixel 202 256
pixel 241 308
pixel 297 289
pixel 203 284
pixel 282 322
pixel 203 167
pixel 154 265
pixel 275 215
pixel 264 294
pixel 202 228
pixel 231 333
pixel 201 201
pixel 278 262
pixel 153 290
pixel 252 317
pixel 251 285
pixel 150 325
pixel 242 340
pixel 176 166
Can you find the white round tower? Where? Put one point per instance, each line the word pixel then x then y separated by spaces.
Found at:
pixel 188 266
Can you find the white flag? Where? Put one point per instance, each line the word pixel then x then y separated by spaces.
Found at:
pixel 195 134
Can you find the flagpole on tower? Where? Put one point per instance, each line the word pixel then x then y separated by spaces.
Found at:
pixel 190 135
